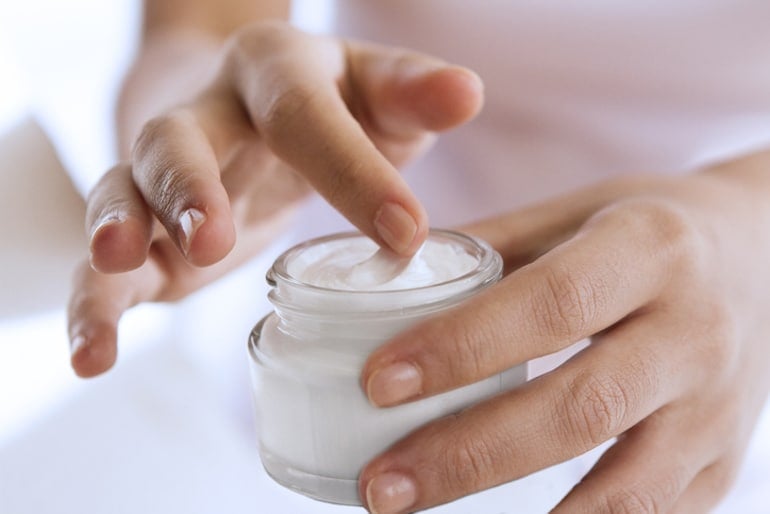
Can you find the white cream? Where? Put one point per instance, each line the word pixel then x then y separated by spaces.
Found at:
pixel 337 299
pixel 356 264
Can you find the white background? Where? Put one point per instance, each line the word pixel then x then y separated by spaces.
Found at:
pixel 62 62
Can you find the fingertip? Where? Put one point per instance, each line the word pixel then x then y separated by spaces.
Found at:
pixel 388 484
pixel 206 237
pixel 390 493
pixel 402 231
pixel 446 97
pixel 119 244
pixel 468 78
pixel 394 384
pixel 93 355
pixel 118 222
pixel 396 227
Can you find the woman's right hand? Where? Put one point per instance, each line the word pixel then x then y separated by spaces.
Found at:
pixel 287 112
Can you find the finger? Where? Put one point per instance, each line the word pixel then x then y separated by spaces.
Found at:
pixel 647 470
pixel 407 93
pixel 715 480
pixel 176 170
pixel 682 459
pixel 118 223
pixel 597 395
pixel 616 264
pixel 708 488
pixel 402 98
pixel 289 83
pixel 96 304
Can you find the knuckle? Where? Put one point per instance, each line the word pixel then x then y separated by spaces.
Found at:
pixel 594 409
pixel 285 111
pixel 82 276
pixel 567 303
pixel 655 496
pixel 262 58
pixel 630 501
pixel 669 230
pixel 257 39
pixel 159 170
pixel 346 184
pixel 724 475
pixel 465 361
pixel 166 190
pixel 470 463
pixel 156 129
pixel 159 132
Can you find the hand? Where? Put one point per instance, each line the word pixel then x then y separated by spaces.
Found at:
pixel 668 276
pixel 288 112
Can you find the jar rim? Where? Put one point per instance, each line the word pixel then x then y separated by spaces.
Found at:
pixel 279 273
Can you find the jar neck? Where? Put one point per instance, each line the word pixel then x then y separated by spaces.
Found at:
pixel 309 321
pixel 305 310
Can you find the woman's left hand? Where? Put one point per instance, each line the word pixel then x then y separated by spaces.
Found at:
pixel 669 277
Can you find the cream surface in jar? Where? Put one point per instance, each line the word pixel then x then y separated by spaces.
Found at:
pixel 336 299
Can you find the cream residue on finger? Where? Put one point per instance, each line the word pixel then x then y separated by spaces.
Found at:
pixel 357 264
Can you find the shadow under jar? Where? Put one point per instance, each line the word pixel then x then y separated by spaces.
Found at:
pixel 316 427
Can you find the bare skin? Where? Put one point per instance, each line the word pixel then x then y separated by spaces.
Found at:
pixel 339 116
pixel 666 275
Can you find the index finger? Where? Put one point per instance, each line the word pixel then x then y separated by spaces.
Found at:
pixel 616 264
pixel 304 119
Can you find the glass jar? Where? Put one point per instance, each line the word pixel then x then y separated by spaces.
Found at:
pixel 316 427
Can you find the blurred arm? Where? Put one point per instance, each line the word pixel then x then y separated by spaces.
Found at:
pixel 217 18
pixel 178 54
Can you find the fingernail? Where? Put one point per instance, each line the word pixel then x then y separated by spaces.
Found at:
pixel 394 384
pixel 107 221
pixel 77 345
pixel 390 493
pixel 395 226
pixel 189 222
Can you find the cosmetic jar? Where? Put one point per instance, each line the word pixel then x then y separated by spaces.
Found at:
pixel 336 299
